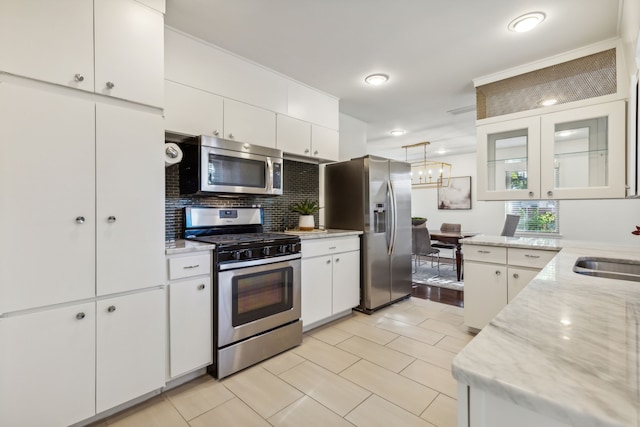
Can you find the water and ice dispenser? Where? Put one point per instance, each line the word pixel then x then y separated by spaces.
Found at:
pixel 379 218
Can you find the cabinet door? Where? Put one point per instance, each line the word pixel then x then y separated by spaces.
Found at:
pixel 246 123
pixel 583 151
pixel 316 289
pixel 190 325
pixel 485 292
pixel 48 40
pixel 130 358
pixel 293 136
pixel 47 189
pixel 47 366
pixel 518 279
pixel 129 51
pixel 346 281
pixel 192 111
pixel 509 160
pixel 130 199
pixel 324 143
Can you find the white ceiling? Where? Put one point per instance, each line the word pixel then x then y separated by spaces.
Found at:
pixel 431 49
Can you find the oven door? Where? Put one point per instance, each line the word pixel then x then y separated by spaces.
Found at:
pixel 226 171
pixel 257 298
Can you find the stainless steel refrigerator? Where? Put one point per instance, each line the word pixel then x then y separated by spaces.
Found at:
pixel 373 194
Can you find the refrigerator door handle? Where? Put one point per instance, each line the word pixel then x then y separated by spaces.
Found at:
pixel 393 210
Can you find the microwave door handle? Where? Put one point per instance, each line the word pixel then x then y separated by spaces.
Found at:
pixel 269 172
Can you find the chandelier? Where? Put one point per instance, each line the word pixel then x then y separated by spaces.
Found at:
pixel 428 173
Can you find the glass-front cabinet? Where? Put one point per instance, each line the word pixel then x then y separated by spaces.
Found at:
pixel 571 154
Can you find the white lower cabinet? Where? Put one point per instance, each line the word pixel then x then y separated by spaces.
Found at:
pixel 130 347
pixel 63 365
pixel 330 278
pixel 47 367
pixel 494 275
pixel 190 313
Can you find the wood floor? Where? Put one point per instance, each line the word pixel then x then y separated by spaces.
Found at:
pixel 441 295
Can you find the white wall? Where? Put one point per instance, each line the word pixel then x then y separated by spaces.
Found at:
pixel 597 220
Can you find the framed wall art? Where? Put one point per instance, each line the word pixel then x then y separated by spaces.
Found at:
pixel 457 195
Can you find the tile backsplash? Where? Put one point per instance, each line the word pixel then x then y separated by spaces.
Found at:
pixel 300 182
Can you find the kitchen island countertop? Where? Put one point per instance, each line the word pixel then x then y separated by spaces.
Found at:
pixel 567 345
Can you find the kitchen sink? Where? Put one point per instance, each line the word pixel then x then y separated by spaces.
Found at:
pixel 610 268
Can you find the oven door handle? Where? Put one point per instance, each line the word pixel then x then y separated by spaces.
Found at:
pixel 256 262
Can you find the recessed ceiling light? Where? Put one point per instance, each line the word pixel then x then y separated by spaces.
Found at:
pixel 442 151
pixel 548 102
pixel 398 132
pixel 526 22
pixel 376 79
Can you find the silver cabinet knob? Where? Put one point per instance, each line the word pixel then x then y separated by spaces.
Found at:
pixel 111 219
pixel 315 153
pixel 337 259
pixel 516 275
pixel 216 133
pixel 549 193
pixel 306 151
pixel 80 316
pixel 78 77
pixel 111 308
pixel 246 146
pixel 80 219
pixel 328 261
pixel 201 286
pixel 530 193
pixel 230 136
pixel 110 85
pixel 172 153
pixel 498 272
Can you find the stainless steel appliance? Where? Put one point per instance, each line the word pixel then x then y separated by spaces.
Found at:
pixel 373 194
pixel 256 302
pixel 214 165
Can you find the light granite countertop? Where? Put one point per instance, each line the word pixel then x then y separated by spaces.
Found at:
pixel 323 233
pixel 567 345
pixel 182 246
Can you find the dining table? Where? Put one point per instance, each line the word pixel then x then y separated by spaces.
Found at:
pixel 453 237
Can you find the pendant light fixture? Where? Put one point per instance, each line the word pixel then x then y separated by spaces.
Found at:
pixel 428 173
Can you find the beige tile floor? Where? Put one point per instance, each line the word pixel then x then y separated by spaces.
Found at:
pixel 392 368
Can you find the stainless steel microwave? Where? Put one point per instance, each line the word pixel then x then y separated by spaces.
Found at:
pixel 214 165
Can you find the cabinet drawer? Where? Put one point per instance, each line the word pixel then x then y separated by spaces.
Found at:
pixel 187 266
pixel 530 257
pixel 317 247
pixel 493 254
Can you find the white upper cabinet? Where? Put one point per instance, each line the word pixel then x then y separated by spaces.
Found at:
pixel 48 40
pixel 294 136
pixel 47 198
pixel 200 65
pixel 53 41
pixel 192 111
pixel 324 143
pixel 570 154
pixel 130 199
pixel 312 106
pixel 129 51
pixel 246 123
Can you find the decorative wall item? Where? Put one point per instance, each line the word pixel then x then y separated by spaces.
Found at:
pixel 457 195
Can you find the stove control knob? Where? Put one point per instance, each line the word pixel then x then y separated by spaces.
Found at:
pixel 266 250
pixel 236 255
pixel 248 253
pixel 282 248
pixel 292 248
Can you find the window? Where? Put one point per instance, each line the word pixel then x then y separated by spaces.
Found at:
pixel 536 216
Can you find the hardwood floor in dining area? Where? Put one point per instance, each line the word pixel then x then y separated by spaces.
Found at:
pixel 436 294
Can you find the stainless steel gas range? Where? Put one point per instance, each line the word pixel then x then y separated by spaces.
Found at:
pixel 256 298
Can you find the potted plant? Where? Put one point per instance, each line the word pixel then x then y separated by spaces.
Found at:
pixel 306 209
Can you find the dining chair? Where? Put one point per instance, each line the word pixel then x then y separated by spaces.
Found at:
pixel 421 245
pixel 449 227
pixel 510 225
